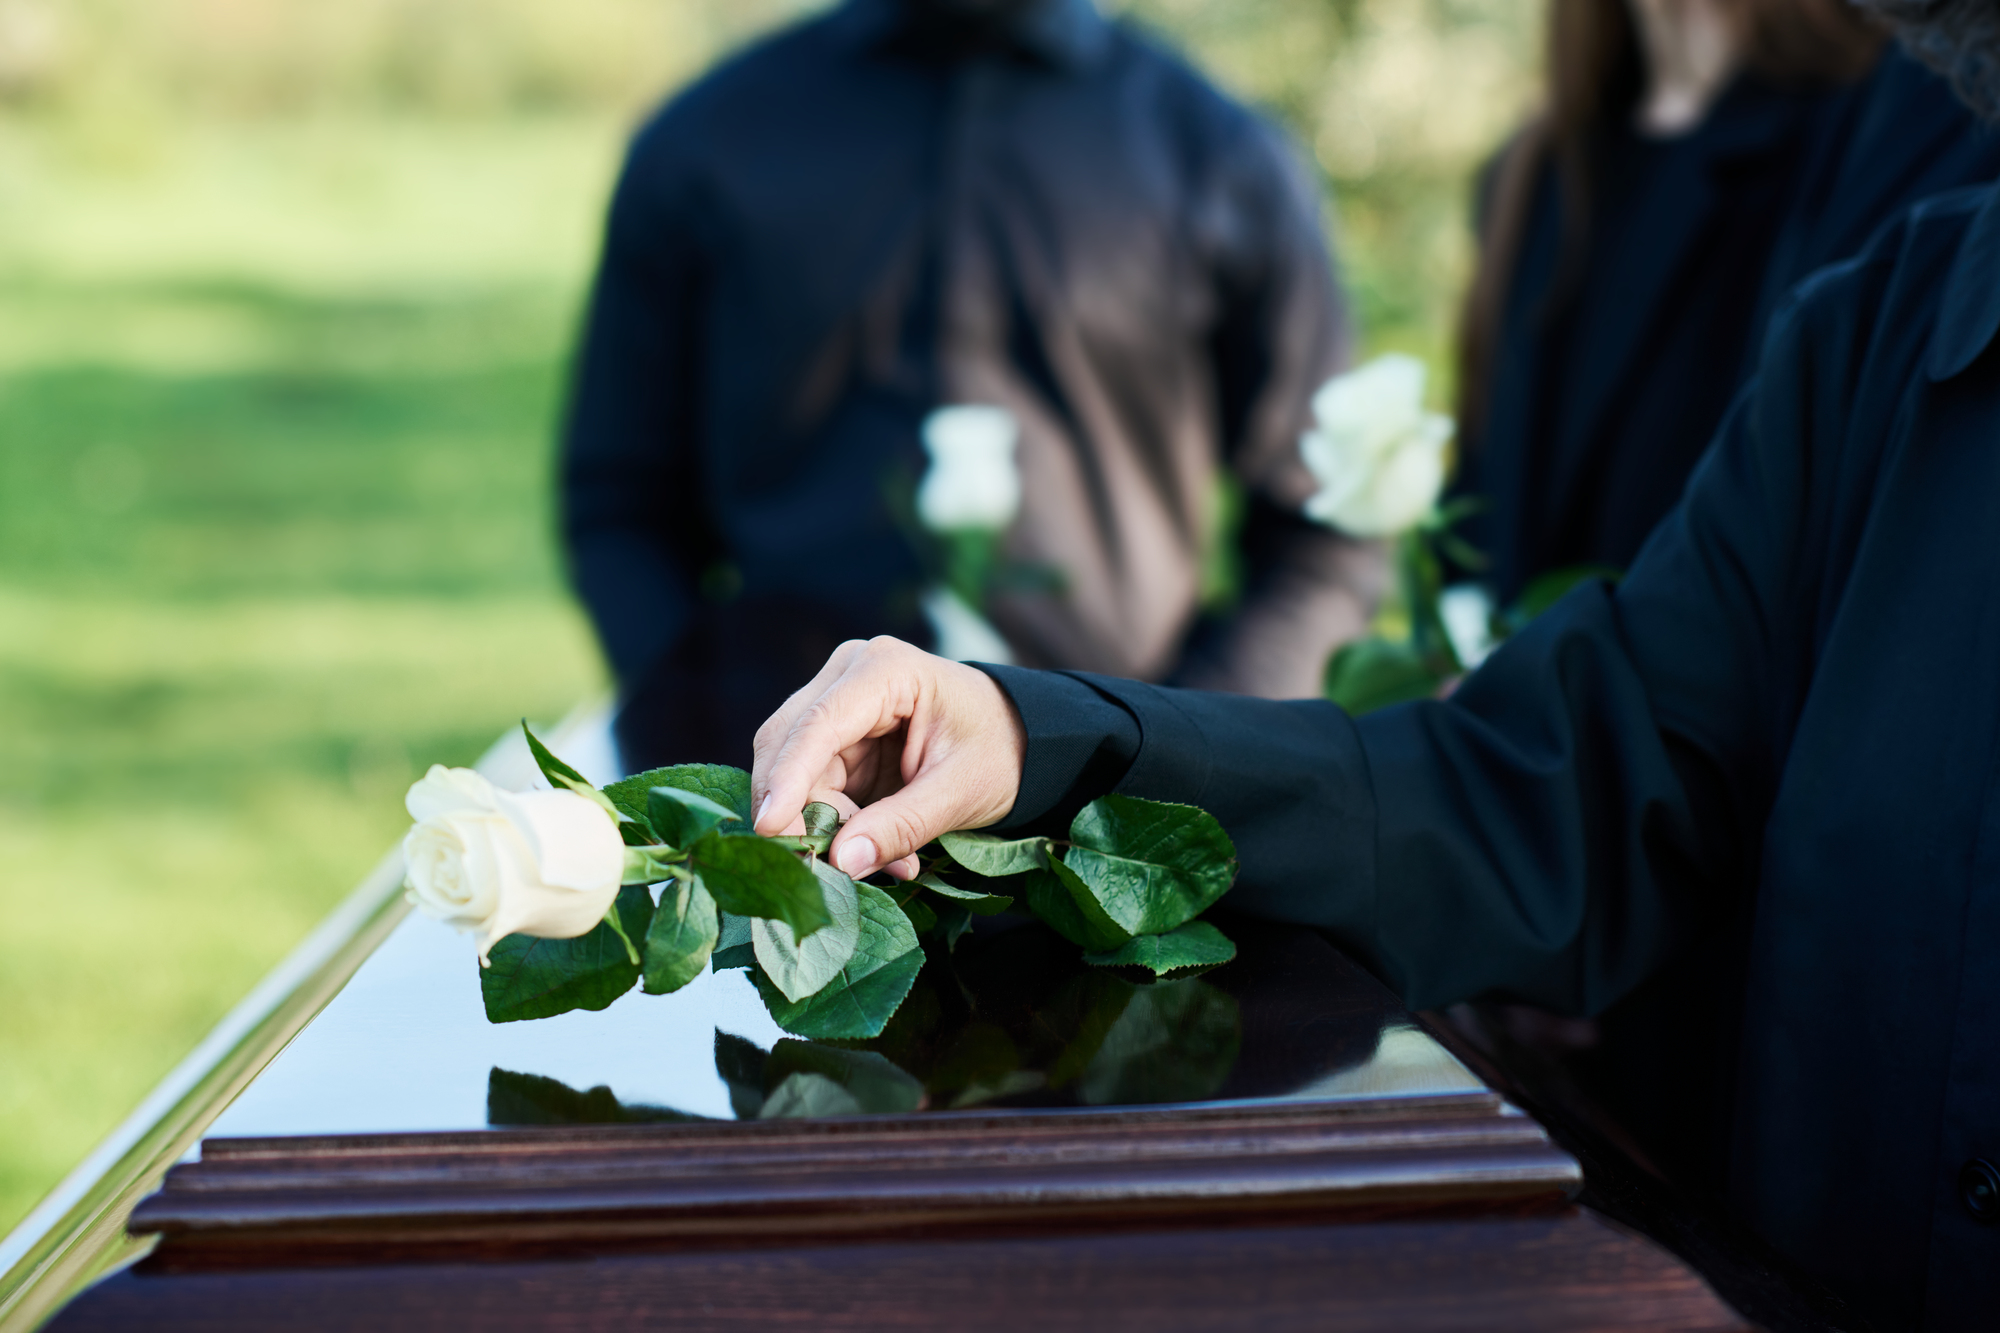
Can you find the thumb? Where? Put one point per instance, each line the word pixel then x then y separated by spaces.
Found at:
pixel 897 825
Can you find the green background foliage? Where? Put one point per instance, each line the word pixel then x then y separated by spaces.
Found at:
pixel 286 295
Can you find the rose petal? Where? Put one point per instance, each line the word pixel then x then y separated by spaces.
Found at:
pixel 445 790
pixel 528 906
pixel 575 845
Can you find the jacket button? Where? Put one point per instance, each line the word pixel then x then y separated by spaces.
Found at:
pixel 1979 1189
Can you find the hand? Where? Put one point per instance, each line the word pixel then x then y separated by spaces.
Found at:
pixel 921 745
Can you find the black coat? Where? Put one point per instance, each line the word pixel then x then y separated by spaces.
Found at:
pixel 883 210
pixel 1778 740
pixel 1607 385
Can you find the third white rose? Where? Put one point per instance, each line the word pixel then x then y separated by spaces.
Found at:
pixel 972 482
pixel 1378 456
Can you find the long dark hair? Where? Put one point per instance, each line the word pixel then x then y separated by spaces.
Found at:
pixel 1596 73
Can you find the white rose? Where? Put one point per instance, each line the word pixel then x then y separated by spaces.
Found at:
pixel 1377 455
pixel 972 482
pixel 498 863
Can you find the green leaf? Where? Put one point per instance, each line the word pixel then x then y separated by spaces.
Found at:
pixel 822 820
pixel 922 918
pixel 1373 673
pixel 650 863
pixel 681 818
pixel 740 1064
pixel 533 1099
pixel 1545 590
pixel 555 770
pixel 1151 864
pixel 978 1063
pixel 682 936
pixel 984 854
pixel 800 967
pixel 756 877
pixel 857 1003
pixel 1058 897
pixel 1194 945
pixel 810 1080
pixel 537 978
pixel 952 921
pixel 1175 1042
pixel 732 944
pixel 1082 1014
pixel 727 787
pixel 632 937
pixel 981 904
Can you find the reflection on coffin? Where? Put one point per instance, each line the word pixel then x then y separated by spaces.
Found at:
pixel 1276 1144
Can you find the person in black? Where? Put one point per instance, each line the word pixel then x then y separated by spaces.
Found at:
pixel 1634 248
pixel 1780 731
pixel 1630 267
pixel 904 204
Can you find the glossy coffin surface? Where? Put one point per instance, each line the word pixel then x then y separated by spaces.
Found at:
pixel 1032 1143
pixel 1016 1089
pixel 1010 1019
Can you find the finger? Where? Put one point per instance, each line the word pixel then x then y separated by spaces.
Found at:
pixel 872 697
pixel 905 869
pixel 961 760
pixel 824 794
pixel 888 833
pixel 838 799
pixel 771 735
pixel 845 803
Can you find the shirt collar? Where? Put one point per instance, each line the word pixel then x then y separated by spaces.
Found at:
pixel 1970 314
pixel 1068 34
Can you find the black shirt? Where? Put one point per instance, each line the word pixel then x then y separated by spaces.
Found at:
pixel 1609 379
pixel 884 210
pixel 1781 732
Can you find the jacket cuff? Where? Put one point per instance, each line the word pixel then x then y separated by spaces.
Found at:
pixel 1080 743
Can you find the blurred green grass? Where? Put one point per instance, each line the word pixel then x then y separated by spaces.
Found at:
pixel 273 533
pixel 286 298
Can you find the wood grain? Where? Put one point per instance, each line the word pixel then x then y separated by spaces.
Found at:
pixel 881 1175
pixel 1558 1272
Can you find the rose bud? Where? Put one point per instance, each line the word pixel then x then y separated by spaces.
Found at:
pixel 499 863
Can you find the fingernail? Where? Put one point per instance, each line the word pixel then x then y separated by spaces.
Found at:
pixel 763 810
pixel 858 856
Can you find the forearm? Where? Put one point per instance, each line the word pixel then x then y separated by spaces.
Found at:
pixel 1288 780
pixel 1530 837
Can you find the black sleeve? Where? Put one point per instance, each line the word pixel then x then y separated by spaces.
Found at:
pixel 1555 828
pixel 629 448
pixel 1080 743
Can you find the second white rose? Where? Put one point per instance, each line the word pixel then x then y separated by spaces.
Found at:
pixel 499 863
pixel 1378 456
pixel 973 483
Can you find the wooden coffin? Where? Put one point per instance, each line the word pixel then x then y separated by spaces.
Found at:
pixel 1275 1144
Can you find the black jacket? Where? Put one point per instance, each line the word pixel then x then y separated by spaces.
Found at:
pixel 884 210
pixel 1777 740
pixel 1607 384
